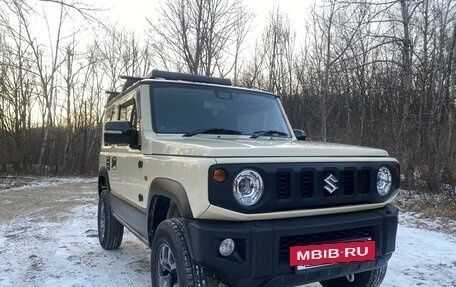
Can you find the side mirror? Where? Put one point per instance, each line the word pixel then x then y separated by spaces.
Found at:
pixel 300 134
pixel 120 132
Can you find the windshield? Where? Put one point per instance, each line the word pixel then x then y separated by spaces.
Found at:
pixel 190 108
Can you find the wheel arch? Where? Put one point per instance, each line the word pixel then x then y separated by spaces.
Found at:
pixel 162 192
pixel 103 180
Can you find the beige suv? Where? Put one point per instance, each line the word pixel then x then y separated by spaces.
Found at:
pixel 216 182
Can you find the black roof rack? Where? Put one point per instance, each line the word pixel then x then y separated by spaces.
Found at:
pixel 158 74
pixel 188 77
pixel 129 81
pixel 112 95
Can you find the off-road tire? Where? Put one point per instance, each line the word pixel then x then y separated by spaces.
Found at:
pixel 372 278
pixel 110 230
pixel 171 234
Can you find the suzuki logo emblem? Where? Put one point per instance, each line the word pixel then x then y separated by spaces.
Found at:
pixel 331 181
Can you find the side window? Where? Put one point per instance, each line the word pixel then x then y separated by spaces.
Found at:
pixel 128 112
pixel 110 115
pixel 125 111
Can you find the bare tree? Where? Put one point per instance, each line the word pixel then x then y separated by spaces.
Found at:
pixel 278 42
pixel 198 36
pixel 16 99
pixel 335 27
pixel 120 53
pixel 46 76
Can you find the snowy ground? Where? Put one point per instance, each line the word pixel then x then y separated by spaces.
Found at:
pixel 48 238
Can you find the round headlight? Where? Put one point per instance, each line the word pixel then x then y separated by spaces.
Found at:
pixel 384 181
pixel 248 187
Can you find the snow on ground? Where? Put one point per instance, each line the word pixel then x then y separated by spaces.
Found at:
pixel 48 237
pixel 11 183
pixel 422 258
pixel 417 220
pixel 47 245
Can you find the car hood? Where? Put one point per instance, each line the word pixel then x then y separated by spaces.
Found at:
pixel 246 147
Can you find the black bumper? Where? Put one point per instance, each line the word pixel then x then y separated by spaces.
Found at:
pixel 261 256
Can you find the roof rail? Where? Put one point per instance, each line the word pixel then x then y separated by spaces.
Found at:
pixel 188 77
pixel 130 80
pixel 111 95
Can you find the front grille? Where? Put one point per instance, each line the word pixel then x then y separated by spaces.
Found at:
pixel 353 186
pixel 311 184
pixel 326 237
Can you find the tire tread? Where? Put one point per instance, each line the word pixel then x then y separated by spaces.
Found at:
pixel 114 229
pixel 196 275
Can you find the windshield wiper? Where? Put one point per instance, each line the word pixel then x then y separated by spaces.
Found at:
pixel 270 133
pixel 212 131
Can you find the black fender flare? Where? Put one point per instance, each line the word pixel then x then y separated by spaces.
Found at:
pixel 173 190
pixel 103 172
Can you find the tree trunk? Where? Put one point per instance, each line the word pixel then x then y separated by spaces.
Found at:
pixel 452 93
pixel 406 62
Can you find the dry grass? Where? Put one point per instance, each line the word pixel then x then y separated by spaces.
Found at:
pixel 12 181
pixel 432 211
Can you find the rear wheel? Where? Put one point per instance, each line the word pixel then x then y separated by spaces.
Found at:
pixel 372 278
pixel 110 230
pixel 171 265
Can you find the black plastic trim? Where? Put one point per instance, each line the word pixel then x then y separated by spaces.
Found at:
pixel 174 191
pixel 188 77
pixel 135 218
pixel 132 230
pixel 256 261
pixel 103 172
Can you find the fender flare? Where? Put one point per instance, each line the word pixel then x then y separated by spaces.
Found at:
pixel 103 172
pixel 173 190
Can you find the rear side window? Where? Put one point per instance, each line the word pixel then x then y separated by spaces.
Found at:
pixel 127 112
pixel 110 114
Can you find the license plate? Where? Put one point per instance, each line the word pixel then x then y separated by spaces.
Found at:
pixel 307 267
pixel 304 257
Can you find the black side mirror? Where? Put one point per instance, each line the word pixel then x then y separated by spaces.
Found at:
pixel 120 132
pixel 300 134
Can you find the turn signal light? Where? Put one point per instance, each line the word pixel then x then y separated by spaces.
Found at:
pixel 220 175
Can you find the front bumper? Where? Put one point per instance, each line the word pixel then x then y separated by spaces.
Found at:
pixel 261 256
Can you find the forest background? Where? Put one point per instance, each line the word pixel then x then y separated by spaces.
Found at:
pixel 379 73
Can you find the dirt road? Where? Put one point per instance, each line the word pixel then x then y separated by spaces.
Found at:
pixel 48 237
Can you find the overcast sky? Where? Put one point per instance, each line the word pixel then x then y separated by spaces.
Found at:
pixel 132 13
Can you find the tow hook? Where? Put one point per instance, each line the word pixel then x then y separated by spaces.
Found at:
pixel 350 277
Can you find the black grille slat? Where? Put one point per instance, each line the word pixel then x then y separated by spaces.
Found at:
pixel 349 182
pixel 284 184
pixel 327 237
pixel 307 183
pixel 365 180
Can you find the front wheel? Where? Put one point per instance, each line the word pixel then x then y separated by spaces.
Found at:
pixel 372 278
pixel 171 265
